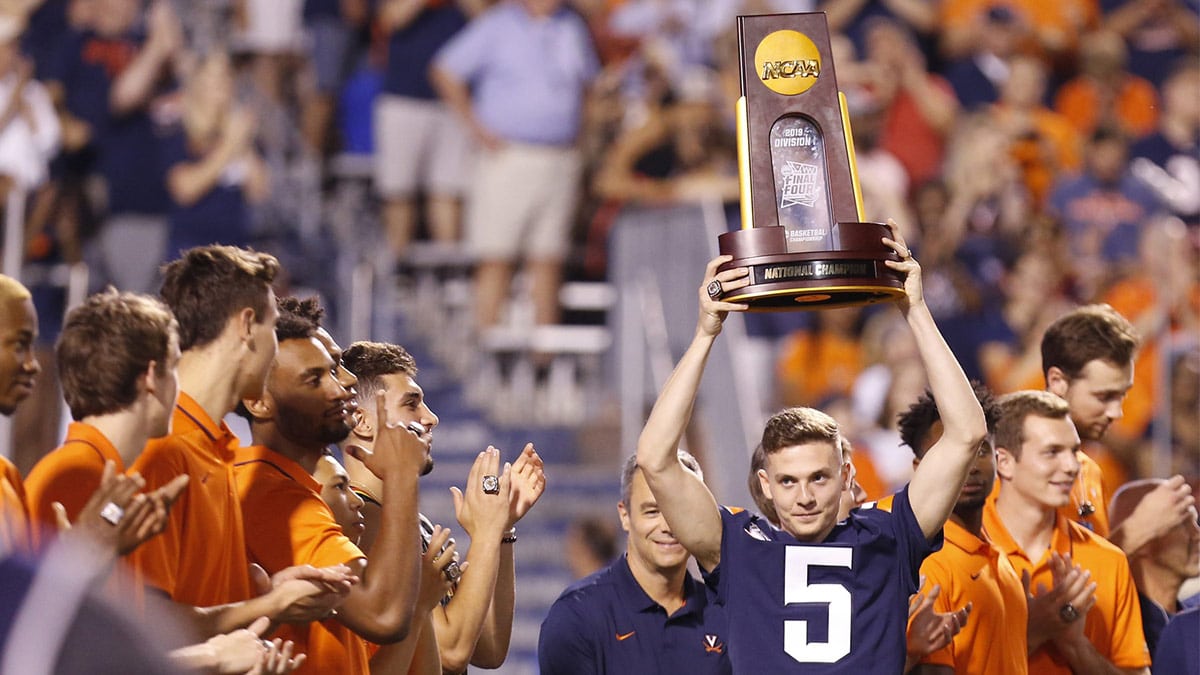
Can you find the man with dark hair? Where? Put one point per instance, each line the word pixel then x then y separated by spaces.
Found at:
pixel 1087 359
pixel 827 594
pixel 117 358
pixel 222 299
pixel 305 407
pixel 643 613
pixel 1100 627
pixel 969 571
pixel 474 625
pixel 1162 565
pixel 19 368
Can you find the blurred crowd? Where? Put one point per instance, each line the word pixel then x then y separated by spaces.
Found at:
pixel 1041 155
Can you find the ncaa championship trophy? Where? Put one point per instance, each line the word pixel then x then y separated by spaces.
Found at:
pixel 803 237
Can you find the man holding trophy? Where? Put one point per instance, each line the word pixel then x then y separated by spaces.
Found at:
pixel 831 595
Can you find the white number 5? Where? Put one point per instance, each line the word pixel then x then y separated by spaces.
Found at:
pixel 796 589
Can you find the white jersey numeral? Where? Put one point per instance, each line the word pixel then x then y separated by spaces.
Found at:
pixel 796 589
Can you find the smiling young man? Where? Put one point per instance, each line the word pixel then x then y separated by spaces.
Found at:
pixel 1087 359
pixel 474 625
pixel 19 368
pixel 308 404
pixel 1036 446
pixel 830 595
pixel 643 613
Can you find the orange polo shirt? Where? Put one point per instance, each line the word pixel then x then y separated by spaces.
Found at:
pixel 289 524
pixel 14 518
pixel 1114 626
pixel 68 475
pixel 970 569
pixel 200 559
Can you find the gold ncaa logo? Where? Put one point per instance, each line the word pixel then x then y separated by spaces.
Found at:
pixel 788 62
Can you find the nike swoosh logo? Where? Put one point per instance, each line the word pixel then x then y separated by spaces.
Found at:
pixel 621 638
pixel 976 575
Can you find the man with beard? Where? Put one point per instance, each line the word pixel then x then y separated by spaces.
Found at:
pixel 474 624
pixel 969 570
pixel 643 613
pixel 308 404
pixel 1087 360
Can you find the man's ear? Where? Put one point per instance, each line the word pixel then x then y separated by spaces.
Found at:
pixel 363 426
pixel 623 513
pixel 1005 463
pixel 260 408
pixel 246 319
pixel 148 382
pixel 764 483
pixel 1057 382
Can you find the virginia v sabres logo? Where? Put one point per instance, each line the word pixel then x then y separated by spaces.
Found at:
pixel 712 645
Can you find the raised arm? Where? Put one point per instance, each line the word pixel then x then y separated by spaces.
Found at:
pixel 685 502
pixel 939 477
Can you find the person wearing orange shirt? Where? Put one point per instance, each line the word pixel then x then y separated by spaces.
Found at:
pixel 225 308
pixel 309 403
pixel 1087 360
pixel 474 626
pixel 18 369
pixel 1036 446
pixel 970 571
pixel 117 358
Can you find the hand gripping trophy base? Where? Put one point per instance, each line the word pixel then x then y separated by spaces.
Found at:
pixel 852 274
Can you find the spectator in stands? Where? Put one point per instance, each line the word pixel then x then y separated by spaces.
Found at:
pixel 1105 94
pixel 1036 447
pixel 679 155
pixel 1159 33
pixel 29 129
pixel 1168 160
pixel 213 171
pixel 919 107
pixel 308 403
pixel 978 75
pixel 331 27
pixel 422 149
pixel 854 18
pixel 115 76
pixel 665 620
pixel 474 625
pixel 1041 141
pixel 518 76
pixel 1103 210
pixel 1163 564
pixel 821 362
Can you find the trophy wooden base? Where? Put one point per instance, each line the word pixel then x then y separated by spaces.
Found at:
pixel 854 274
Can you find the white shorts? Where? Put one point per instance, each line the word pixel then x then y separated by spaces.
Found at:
pixel 522 202
pixel 419 145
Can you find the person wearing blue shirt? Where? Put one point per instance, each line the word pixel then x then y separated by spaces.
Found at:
pixel 643 613
pixel 1178 653
pixel 517 76
pixel 818 593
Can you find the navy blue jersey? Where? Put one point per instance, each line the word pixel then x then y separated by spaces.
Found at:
pixel 607 624
pixel 831 607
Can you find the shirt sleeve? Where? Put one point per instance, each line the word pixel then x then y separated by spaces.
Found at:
pixel 68 476
pixel 913 546
pixel 564 647
pixel 1128 646
pixel 466 54
pixel 156 561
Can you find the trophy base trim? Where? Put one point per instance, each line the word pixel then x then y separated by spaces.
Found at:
pixel 815 297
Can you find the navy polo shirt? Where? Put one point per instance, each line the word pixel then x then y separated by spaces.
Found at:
pixel 607 624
